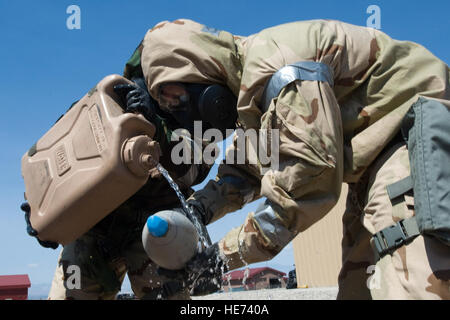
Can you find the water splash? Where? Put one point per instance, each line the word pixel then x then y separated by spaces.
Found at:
pixel 247 269
pixel 246 265
pixel 246 274
pixel 205 240
pixel 228 279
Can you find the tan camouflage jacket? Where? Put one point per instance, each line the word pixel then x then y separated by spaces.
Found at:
pixel 328 134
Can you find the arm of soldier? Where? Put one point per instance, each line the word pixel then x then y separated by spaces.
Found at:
pixel 234 186
pixel 308 181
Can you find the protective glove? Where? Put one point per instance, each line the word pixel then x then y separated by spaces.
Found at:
pixel 197 209
pixel 46 244
pixel 136 99
pixel 200 214
pixel 203 273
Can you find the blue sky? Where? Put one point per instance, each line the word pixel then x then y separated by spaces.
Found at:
pixel 45 67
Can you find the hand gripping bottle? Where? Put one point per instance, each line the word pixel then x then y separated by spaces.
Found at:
pixel 170 239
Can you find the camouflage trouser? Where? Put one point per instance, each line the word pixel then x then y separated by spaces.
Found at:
pixel 418 270
pixel 101 273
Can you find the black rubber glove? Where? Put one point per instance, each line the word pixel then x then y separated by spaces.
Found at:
pixel 136 99
pixel 198 210
pixel 199 213
pixel 46 244
pixel 203 273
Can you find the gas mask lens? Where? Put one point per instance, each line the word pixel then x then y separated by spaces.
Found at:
pixel 173 97
pixel 213 104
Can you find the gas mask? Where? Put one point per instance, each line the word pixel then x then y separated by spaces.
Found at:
pixel 214 105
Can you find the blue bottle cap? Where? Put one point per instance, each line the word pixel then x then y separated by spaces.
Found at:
pixel 157 226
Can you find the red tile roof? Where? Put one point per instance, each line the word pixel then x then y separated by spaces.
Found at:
pixel 251 272
pixel 15 281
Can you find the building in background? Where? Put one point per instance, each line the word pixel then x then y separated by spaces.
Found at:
pixel 14 287
pixel 254 279
pixel 317 251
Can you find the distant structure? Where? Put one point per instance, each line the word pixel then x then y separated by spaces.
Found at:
pixel 253 279
pixel 14 287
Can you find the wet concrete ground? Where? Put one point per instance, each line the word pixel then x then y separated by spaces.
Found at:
pixel 328 293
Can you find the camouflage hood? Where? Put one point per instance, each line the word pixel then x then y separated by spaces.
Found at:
pixel 186 51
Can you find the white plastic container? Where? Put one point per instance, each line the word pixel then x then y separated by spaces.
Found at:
pixel 170 239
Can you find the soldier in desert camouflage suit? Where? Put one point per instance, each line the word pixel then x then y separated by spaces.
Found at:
pixel 113 247
pixel 329 135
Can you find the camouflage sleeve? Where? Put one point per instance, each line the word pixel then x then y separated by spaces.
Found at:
pixel 308 181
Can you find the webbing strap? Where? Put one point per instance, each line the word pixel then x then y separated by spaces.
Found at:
pixel 393 237
pixel 400 187
pixel 303 70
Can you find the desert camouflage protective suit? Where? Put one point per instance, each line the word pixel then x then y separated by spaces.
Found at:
pixel 113 247
pixel 329 135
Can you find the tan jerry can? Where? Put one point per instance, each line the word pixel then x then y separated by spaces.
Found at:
pixel 92 160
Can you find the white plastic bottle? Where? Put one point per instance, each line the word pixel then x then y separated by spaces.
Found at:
pixel 170 239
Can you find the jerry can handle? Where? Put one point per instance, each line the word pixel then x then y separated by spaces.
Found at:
pixel 32 232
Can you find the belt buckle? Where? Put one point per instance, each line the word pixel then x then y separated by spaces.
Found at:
pixel 388 239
